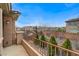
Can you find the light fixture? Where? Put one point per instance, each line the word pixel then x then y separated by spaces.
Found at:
pixel 7 22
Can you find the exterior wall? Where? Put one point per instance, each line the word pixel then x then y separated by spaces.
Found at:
pixel 29 35
pixel 72 27
pixel 1 32
pixel 13 32
pixel 19 36
pixel 7 31
pixel 59 41
pixel 74 43
pixel 1 46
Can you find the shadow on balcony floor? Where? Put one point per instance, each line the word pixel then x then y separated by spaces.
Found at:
pixel 14 50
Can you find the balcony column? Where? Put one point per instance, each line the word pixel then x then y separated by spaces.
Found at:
pixel 13 33
pixel 7 31
pixel 1 32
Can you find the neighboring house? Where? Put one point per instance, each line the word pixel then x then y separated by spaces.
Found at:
pixel 72 26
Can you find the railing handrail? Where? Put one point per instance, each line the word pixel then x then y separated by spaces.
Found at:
pixel 71 51
pixel 34 52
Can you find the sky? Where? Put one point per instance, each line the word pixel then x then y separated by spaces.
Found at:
pixel 45 14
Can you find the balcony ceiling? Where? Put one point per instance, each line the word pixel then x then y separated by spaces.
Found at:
pixel 7 10
pixel 15 14
pixel 5 6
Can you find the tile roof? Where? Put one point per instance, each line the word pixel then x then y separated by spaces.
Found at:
pixel 72 20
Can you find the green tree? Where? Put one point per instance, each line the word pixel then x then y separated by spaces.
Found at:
pixel 51 49
pixel 61 30
pixel 67 45
pixel 36 40
pixel 42 38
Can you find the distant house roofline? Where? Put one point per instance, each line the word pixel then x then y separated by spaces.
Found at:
pixel 73 20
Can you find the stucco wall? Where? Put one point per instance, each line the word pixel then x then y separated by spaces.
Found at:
pixel 1 32
pixel 74 43
pixel 72 29
pixel 13 32
pixel 1 46
pixel 7 31
pixel 1 28
pixel 19 35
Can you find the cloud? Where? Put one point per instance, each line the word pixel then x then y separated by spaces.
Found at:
pixel 69 4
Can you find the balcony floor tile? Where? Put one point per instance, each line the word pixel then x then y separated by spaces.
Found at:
pixel 14 50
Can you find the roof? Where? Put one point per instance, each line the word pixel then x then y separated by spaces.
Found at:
pixel 72 20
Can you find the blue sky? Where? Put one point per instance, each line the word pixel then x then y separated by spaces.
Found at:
pixel 45 14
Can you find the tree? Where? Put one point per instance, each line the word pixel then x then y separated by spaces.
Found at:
pixel 42 38
pixel 36 40
pixel 51 49
pixel 61 30
pixel 67 45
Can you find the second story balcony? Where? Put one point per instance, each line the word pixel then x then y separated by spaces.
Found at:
pixel 26 47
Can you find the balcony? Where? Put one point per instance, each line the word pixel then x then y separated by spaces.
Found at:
pixel 26 47
pixel 23 49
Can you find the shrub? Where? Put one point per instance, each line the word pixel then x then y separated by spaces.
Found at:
pixel 51 50
pixel 67 45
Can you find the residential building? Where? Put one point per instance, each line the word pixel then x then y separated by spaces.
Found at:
pixel 72 25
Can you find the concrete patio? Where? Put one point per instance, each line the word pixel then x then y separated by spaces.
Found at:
pixel 14 50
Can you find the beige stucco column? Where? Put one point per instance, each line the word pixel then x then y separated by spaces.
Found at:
pixel 7 31
pixel 13 32
pixel 9 28
pixel 1 32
